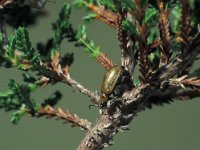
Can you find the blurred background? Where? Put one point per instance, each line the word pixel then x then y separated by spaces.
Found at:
pixel 172 127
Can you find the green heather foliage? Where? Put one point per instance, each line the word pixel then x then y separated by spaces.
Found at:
pixel 62 28
pixel 89 45
pixel 18 52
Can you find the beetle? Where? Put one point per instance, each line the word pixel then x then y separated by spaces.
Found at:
pixel 115 82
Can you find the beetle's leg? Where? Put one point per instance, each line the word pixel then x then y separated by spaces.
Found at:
pixel 91 105
pixel 103 105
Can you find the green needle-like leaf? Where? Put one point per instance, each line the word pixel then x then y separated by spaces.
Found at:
pixel 90 17
pixel 89 45
pixel 16 116
pixel 151 16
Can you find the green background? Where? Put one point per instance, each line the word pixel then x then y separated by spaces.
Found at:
pixel 172 127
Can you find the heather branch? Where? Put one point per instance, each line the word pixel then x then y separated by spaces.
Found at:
pixel 183 82
pixel 174 95
pixel 92 49
pixel 172 89
pixel 143 53
pixel 142 28
pixel 31 60
pixel 94 96
pixel 50 112
pixel 185 22
pixel 185 31
pixel 127 54
pixel 107 17
pixel 58 75
pixel 180 62
pixel 170 95
pixel 186 95
pixel 106 62
pixel 164 33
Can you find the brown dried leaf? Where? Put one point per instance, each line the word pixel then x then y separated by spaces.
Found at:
pixel 43 81
pixel 55 62
pixel 164 36
pixel 50 112
pixel 185 21
pixel 125 43
pixel 106 62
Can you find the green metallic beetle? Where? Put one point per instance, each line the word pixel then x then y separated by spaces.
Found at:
pixel 116 80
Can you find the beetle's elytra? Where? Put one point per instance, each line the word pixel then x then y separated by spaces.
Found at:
pixel 116 80
pixel 110 79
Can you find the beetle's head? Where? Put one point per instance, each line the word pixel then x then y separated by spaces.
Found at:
pixel 104 97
